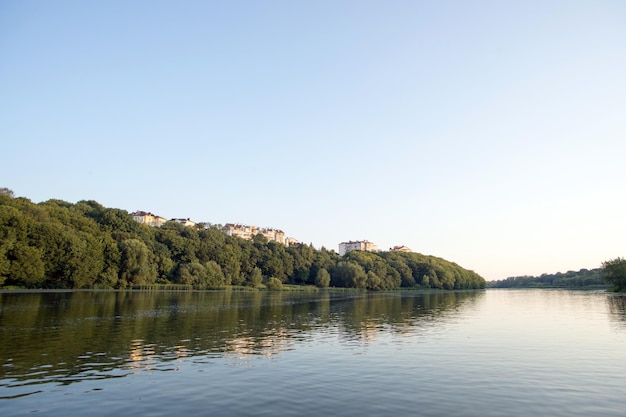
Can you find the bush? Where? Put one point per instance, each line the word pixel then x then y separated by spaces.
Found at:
pixel 274 284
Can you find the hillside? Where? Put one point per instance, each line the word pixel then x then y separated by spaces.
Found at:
pixel 56 244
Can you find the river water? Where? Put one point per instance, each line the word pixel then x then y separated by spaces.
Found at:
pixel 484 353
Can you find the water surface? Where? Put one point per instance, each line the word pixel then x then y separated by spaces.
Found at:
pixel 484 353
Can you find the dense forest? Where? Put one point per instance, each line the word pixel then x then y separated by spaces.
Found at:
pixel 56 244
pixel 570 279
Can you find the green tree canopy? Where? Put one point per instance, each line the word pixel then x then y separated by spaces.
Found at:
pixel 615 273
pixel 322 279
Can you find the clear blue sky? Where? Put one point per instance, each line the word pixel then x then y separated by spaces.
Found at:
pixel 489 133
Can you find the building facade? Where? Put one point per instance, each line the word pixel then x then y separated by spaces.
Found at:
pixel 366 245
pixel 400 248
pixel 245 231
pixel 150 219
pixel 184 222
pixel 289 241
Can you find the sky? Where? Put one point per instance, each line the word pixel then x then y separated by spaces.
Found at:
pixel 488 133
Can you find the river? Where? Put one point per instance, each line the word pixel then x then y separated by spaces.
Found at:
pixel 476 353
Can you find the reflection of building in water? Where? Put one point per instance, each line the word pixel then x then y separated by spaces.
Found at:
pixel 144 356
pixel 279 340
pixel 369 331
pixel 140 354
pixel 363 332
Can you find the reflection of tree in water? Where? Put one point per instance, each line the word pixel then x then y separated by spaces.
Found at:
pixel 401 313
pixel 65 337
pixel 617 306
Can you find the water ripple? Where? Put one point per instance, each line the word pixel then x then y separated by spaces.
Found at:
pixel 493 353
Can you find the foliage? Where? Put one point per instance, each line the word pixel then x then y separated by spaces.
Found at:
pixel 322 279
pixel 255 278
pixel 570 279
pixel 136 267
pixel 57 244
pixel 274 284
pixel 615 273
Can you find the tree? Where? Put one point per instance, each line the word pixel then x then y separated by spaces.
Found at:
pixel 302 256
pixel 373 281
pixel 7 193
pixel 214 275
pixel 396 261
pixel 26 266
pixel 230 264
pixel 274 284
pixel 615 273
pixel 5 263
pixel 136 266
pixel 255 278
pixel 194 274
pixel 110 271
pixel 349 274
pixel 322 278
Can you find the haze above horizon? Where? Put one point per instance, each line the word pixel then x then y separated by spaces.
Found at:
pixel 491 134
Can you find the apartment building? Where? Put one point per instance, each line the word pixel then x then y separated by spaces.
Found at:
pixel 153 220
pixel 150 219
pixel 245 231
pixel 366 245
pixel 184 222
pixel 400 248
pixel 289 241
pixel 241 230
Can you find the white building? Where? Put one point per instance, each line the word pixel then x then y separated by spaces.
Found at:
pixel 366 245
pixel 148 218
pixel 240 230
pixel 184 222
pixel 289 241
pixel 400 248
pixel 245 231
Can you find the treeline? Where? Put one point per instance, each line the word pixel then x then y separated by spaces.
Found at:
pixel 56 244
pixel 570 279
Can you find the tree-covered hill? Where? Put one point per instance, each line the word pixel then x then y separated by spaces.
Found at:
pixel 570 279
pixel 56 244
